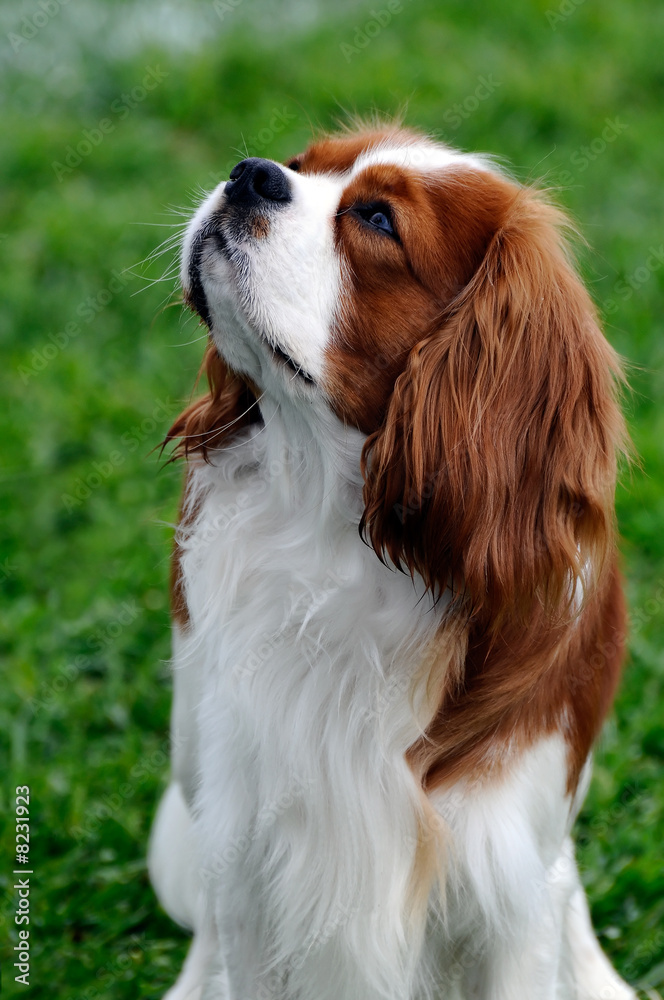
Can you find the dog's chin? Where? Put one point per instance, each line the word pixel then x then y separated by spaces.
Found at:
pixel 285 360
pixel 224 307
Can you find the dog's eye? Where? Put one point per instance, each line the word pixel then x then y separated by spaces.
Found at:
pixel 293 165
pixel 379 217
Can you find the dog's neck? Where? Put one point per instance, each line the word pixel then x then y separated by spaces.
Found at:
pixel 309 462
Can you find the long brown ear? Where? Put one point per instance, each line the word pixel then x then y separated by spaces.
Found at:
pixel 229 405
pixel 495 467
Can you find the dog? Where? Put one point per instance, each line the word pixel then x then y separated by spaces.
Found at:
pixel 398 617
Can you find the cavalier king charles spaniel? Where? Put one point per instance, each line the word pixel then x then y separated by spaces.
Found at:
pixel 398 618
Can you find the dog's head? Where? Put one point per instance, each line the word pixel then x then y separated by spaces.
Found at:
pixel 423 297
pixel 317 278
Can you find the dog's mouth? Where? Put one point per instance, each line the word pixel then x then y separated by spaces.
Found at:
pixel 196 298
pixel 293 365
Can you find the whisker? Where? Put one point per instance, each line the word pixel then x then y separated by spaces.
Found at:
pixel 221 430
pixel 170 243
pixel 165 304
pixel 169 225
pixel 260 429
pixel 172 277
pixel 187 343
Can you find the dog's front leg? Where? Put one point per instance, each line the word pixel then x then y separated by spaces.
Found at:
pixel 524 963
pixel 202 966
pixel 592 973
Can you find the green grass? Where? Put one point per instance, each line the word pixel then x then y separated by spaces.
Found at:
pixel 85 504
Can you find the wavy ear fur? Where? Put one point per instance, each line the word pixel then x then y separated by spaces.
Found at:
pixel 228 406
pixel 494 470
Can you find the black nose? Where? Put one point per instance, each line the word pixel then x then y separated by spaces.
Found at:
pixel 254 181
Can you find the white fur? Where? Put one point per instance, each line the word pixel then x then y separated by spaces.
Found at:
pixel 284 287
pixel 305 720
pixel 289 836
pixel 419 155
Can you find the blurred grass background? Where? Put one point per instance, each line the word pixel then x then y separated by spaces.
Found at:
pixel 161 99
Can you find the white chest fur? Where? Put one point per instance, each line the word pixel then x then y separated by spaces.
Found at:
pixel 294 707
pixel 302 649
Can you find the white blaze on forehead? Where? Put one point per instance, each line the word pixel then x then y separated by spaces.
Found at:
pixel 419 155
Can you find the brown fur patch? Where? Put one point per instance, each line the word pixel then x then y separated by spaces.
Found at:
pixel 514 692
pixel 179 609
pixel 260 227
